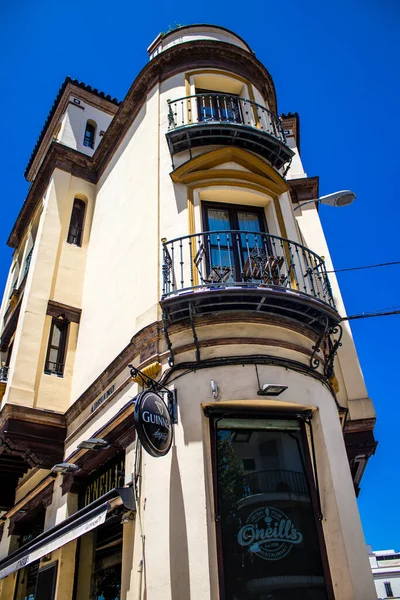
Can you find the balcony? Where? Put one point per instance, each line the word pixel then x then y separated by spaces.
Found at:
pixel 219 119
pixel 262 482
pixel 245 271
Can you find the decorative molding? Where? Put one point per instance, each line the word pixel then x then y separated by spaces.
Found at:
pixel 303 189
pixel 202 168
pixel 291 122
pixel 81 91
pixel 138 347
pixel 177 59
pixel 39 491
pixel 239 341
pixel 56 309
pixel 41 500
pixel 57 156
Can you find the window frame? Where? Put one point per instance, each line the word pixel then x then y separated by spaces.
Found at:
pixel 61 348
pixel 388 589
pixel 214 417
pixel 232 210
pixel 80 228
pixel 89 138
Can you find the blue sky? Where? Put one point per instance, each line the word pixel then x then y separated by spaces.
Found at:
pixel 334 63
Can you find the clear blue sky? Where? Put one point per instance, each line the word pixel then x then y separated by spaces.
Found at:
pixel 335 63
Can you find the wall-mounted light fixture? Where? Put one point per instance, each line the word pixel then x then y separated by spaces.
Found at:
pixel 342 198
pixel 214 390
pixel 271 389
pixel 94 444
pixel 65 468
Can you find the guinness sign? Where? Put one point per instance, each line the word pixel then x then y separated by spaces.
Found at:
pixel 153 423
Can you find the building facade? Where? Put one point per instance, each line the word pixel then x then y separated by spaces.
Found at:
pixel 385 565
pixel 168 244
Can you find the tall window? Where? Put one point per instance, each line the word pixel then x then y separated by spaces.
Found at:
pixel 76 224
pixel 388 589
pixel 90 132
pixel 267 526
pixel 238 236
pixel 56 351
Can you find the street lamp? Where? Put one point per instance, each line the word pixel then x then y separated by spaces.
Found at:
pixel 342 198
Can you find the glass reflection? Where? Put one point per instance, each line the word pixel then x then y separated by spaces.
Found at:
pixel 269 537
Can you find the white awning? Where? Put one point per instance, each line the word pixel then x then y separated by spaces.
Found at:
pixel 78 524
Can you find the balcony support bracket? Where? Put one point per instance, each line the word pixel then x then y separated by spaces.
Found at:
pixel 195 338
pixel 171 360
pixel 314 360
pixel 333 346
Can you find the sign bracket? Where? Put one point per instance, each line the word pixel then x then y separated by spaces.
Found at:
pixel 158 387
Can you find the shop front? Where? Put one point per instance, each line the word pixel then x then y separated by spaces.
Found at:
pixel 99 552
pixel 269 534
pixel 97 528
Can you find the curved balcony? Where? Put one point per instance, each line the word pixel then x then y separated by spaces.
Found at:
pixel 262 482
pixel 235 270
pixel 221 119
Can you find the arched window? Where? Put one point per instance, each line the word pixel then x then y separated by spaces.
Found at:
pixel 90 132
pixel 76 223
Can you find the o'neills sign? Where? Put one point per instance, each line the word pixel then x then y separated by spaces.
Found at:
pixel 153 423
pixel 269 533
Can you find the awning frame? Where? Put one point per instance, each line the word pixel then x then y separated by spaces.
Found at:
pixel 96 509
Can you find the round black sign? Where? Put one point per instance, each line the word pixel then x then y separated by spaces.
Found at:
pixel 153 423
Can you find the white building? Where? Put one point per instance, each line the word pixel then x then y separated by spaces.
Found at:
pixel 385 565
pixel 178 232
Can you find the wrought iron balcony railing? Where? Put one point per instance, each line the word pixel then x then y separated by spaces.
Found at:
pixel 216 118
pixel 276 481
pixel 3 373
pixel 224 260
pixel 54 368
pixel 222 108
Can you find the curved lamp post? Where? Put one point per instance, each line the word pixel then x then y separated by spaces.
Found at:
pixel 342 198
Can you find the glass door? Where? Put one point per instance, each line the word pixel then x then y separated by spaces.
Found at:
pixel 267 524
pixel 230 254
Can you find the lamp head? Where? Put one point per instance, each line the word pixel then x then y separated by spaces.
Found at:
pixel 65 468
pixel 94 444
pixel 342 198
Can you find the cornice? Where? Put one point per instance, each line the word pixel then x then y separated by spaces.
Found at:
pixel 81 91
pixel 56 309
pixel 174 60
pixel 31 415
pixel 177 59
pixel 58 156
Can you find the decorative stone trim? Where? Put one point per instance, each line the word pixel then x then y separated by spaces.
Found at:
pixel 56 309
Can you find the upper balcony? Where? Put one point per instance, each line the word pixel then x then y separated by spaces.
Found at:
pixel 245 271
pixel 223 119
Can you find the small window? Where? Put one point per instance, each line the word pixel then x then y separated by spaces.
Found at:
pixel 388 589
pixel 56 350
pixel 76 224
pixel 90 132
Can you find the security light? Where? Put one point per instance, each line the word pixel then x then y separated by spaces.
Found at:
pixel 272 389
pixel 65 468
pixel 94 444
pixel 343 198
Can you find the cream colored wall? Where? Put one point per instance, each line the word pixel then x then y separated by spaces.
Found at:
pixel 194 34
pixel 353 391
pixel 182 526
pixel 121 290
pixel 74 124
pixel 56 273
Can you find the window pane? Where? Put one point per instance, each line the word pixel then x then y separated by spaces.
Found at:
pixel 56 337
pixel 269 537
